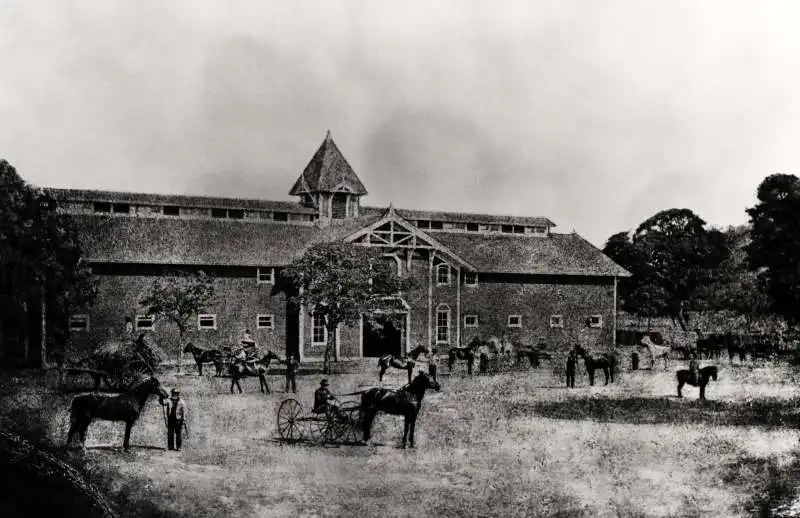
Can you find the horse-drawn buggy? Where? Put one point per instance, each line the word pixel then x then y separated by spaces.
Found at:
pixel 119 364
pixel 339 424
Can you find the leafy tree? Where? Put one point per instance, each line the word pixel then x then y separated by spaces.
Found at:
pixel 671 256
pixel 343 282
pixel 178 298
pixel 42 259
pixel 774 249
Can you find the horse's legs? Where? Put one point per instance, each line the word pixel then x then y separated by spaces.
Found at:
pixel 126 444
pixel 470 359
pixel 410 370
pixel 702 390
pixel 680 386
pixel 199 368
pixel 262 379
pixel 605 373
pixel 591 376
pixel 406 426
pixel 450 360
pixel 412 425
pixel 73 428
pixel 366 425
pixel 381 373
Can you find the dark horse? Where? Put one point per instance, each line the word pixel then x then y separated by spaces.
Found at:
pixel 605 361
pixel 705 374
pixel 387 360
pixel 126 407
pixel 405 402
pixel 202 356
pixel 257 368
pixel 463 353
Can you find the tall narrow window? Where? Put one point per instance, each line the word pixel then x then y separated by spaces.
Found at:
pixel 443 275
pixel 442 324
pixel 339 206
pixel 319 335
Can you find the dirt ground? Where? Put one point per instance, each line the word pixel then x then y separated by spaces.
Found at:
pixel 510 444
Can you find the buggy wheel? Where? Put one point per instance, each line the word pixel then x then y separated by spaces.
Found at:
pixel 289 420
pixel 322 430
pixel 352 425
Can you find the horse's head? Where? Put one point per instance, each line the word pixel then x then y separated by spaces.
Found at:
pixel 153 386
pixel 712 371
pixel 424 381
pixel 269 356
pixel 579 350
pixel 189 347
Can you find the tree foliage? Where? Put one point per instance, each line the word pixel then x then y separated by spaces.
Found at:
pixel 179 297
pixel 672 257
pixel 774 249
pixel 343 282
pixel 41 257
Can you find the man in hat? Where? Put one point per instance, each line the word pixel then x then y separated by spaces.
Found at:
pixel 324 401
pixel 572 360
pixel 291 370
pixel 176 412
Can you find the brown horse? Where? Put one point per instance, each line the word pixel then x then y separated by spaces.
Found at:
pixel 126 407
pixel 464 353
pixel 202 356
pixel 406 364
pixel 257 368
pixel 607 362
pixel 705 374
pixel 406 402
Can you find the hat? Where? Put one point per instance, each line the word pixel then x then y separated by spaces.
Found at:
pixel 324 383
pixel 176 392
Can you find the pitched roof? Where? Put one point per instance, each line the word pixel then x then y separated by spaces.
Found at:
pixel 557 254
pixel 182 241
pixel 178 241
pixel 328 171
pixel 466 217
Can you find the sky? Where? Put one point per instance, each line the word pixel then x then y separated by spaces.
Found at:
pixel 594 114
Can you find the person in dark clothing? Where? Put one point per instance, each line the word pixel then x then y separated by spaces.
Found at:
pixel 324 401
pixel 432 364
pixel 291 370
pixel 572 360
pixel 176 412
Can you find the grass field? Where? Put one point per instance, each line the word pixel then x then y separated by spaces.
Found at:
pixel 512 444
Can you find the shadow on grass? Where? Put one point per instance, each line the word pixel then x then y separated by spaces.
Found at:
pixel 771 483
pixel 640 410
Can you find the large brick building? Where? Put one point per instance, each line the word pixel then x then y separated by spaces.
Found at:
pixel 473 273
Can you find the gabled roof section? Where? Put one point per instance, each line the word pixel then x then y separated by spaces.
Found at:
pixel 328 171
pixel 394 231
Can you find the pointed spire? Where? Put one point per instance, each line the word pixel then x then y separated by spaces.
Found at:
pixel 328 171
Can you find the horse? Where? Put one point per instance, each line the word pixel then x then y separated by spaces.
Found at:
pixel 257 368
pixel 406 402
pixel 388 360
pixel 706 373
pixel 605 361
pixel 657 352
pixel 534 354
pixel 463 353
pixel 202 356
pixel 126 407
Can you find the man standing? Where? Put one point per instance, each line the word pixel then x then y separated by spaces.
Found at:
pixel 176 411
pixel 572 360
pixel 432 364
pixel 291 370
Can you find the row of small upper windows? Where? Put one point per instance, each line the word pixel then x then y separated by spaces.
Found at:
pixel 205 322
pixel 176 211
pixel 480 227
pixel 444 274
pixel 556 321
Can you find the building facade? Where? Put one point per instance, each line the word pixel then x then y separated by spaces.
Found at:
pixel 473 274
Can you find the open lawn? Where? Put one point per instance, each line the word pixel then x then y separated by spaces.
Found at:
pixel 512 444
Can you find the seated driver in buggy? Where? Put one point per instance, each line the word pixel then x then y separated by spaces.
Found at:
pixel 325 402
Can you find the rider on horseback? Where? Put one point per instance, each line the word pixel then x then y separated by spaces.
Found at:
pixel 694 366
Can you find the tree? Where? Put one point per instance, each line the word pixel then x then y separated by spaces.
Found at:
pixel 342 282
pixel 671 256
pixel 774 249
pixel 179 297
pixel 42 261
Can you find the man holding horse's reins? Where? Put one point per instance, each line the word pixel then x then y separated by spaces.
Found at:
pixel 176 420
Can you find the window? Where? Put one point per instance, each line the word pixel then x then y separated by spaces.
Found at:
pixel 172 210
pixel 102 207
pixel 442 324
pixel 596 321
pixel 219 213
pixel 264 322
pixel 556 321
pixel 470 320
pixel 470 279
pixel 423 223
pixel 539 230
pixel 319 335
pixel 339 206
pixel 514 321
pixel 265 275
pixel 79 322
pixel 472 227
pixel 122 208
pixel 280 216
pixel 144 322
pixel 206 321
pixel 507 229
pixel 443 275
pixel 236 213
pixel 518 229
pixel 436 225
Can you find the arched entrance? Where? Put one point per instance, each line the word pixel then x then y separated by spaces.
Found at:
pixel 386 331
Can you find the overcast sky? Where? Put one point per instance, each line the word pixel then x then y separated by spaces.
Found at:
pixel 594 114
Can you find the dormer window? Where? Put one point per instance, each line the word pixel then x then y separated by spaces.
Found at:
pixel 443 275
pixel 470 279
